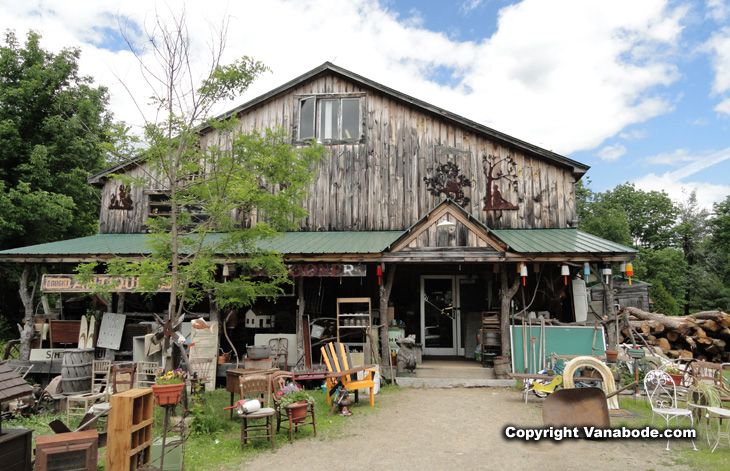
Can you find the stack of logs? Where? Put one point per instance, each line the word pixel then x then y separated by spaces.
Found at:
pixel 703 335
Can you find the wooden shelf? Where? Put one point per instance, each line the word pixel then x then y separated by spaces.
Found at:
pixel 348 310
pixel 129 430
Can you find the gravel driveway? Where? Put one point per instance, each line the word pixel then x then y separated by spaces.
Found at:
pixel 460 428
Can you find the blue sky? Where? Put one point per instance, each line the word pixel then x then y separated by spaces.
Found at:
pixel 638 90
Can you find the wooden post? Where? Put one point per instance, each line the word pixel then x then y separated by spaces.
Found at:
pixel 385 289
pixel 27 295
pixel 300 316
pixel 506 296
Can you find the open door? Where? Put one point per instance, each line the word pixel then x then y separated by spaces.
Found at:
pixel 439 315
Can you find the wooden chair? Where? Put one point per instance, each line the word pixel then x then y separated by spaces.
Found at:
pixel 80 404
pixel 284 414
pixel 100 375
pixel 257 387
pixel 337 359
pixel 146 373
pixel 122 377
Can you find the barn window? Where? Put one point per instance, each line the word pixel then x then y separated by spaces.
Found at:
pixel 329 119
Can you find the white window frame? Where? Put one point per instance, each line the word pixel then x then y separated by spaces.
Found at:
pixel 317 117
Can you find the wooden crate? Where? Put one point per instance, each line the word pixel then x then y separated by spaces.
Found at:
pixel 129 430
pixel 15 447
pixel 69 451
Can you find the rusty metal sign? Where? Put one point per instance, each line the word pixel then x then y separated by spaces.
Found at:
pixel 71 284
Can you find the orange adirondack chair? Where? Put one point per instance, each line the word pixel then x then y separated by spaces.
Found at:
pixel 337 359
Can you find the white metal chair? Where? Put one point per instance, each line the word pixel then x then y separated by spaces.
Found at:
pixel 662 396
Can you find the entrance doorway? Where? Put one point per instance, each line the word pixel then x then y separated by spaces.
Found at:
pixel 440 319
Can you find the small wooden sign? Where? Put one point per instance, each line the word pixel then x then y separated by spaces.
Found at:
pixel 110 332
pixel 47 354
pixel 70 284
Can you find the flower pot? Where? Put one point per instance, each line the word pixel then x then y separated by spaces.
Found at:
pixel 611 355
pixel 677 378
pixel 298 411
pixel 166 394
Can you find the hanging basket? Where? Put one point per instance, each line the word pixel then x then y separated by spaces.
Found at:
pixel 167 394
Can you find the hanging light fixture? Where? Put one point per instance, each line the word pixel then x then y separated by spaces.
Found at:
pixel 629 271
pixel 565 272
pixel 523 273
pixel 445 223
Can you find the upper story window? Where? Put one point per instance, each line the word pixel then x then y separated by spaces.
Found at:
pixel 330 118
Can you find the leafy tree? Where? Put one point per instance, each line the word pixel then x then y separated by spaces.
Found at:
pixel 651 215
pixel 51 124
pixel 601 218
pixel 210 183
pixel 666 267
pixel 692 229
pixel 663 301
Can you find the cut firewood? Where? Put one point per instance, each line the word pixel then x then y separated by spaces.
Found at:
pixel 664 345
pixel 681 327
pixel 673 336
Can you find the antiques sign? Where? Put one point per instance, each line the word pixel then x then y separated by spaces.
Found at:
pixel 70 284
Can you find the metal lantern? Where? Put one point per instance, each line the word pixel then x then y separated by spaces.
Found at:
pixel 565 272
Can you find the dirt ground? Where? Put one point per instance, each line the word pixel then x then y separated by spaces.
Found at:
pixel 460 428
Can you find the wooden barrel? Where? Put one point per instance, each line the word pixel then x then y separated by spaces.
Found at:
pixel 76 371
pixel 502 367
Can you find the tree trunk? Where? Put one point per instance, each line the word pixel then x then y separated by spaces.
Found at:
pixel 26 295
pixel 385 289
pixel 300 317
pixel 506 296
pixel 682 327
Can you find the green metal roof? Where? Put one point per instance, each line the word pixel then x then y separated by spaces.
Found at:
pixel 289 243
pixel 557 241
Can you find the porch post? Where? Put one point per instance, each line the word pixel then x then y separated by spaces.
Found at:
pixel 506 295
pixel 300 316
pixel 384 297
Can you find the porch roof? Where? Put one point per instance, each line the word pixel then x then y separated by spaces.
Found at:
pixel 572 241
pixel 105 246
pixel 353 243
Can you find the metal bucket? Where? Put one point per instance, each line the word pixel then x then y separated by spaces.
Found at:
pixel 76 371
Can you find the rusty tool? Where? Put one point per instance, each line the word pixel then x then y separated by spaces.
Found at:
pixel 576 407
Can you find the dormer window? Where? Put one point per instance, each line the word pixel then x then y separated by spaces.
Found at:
pixel 330 118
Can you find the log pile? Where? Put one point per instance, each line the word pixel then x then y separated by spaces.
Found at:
pixel 703 335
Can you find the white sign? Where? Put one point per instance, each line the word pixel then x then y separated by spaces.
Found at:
pixel 110 332
pixel 47 354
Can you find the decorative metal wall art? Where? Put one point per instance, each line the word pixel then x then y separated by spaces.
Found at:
pixel 494 199
pixel 449 182
pixel 123 201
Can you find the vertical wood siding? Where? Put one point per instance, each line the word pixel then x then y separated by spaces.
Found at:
pixel 378 184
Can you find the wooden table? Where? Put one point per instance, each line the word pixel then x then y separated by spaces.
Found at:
pixel 233 379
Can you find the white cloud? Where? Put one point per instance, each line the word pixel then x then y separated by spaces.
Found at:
pixel 719 48
pixel 611 153
pixel 674 182
pixel 674 158
pixel 469 5
pixel 565 74
pixel 633 135
pixel 717 10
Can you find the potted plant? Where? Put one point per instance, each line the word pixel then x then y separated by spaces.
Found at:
pixel 296 399
pixel 676 374
pixel 168 386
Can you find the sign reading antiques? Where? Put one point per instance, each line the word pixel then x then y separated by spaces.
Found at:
pixel 70 284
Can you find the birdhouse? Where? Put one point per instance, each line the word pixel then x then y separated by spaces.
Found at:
pixel 259 318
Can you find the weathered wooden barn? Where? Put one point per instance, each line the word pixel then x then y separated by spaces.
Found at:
pixel 433 218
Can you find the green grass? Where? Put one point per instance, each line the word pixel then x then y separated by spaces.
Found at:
pixel 681 451
pixel 215 443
